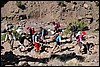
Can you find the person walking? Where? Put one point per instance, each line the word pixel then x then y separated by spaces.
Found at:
pixel 10 38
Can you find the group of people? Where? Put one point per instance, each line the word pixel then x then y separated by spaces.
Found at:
pixel 38 39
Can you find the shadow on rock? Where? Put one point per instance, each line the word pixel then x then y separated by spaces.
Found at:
pixel 66 57
pixel 27 58
pixel 69 49
pixel 9 59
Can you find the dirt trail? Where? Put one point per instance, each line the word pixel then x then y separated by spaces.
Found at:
pixel 90 60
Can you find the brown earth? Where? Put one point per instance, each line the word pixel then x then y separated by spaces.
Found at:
pixel 49 10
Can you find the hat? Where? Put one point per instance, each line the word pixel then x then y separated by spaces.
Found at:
pixel 27 27
pixel 83 33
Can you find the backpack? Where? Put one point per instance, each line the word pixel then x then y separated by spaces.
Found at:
pixel 46 32
pixel 54 38
pixel 74 28
pixel 57 24
pixel 33 31
pixel 59 30
pixel 35 37
pixel 20 37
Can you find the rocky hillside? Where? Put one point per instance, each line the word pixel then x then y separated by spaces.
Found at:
pixel 16 12
pixel 66 57
pixel 44 11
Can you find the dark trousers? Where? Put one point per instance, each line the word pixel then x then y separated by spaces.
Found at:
pixel 73 33
pixel 11 42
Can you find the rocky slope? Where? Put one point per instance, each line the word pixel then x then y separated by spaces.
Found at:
pixel 66 57
pixel 45 11
pixel 36 12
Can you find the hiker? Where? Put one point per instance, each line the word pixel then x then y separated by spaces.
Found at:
pixel 58 41
pixel 43 32
pixel 31 32
pixel 21 39
pixel 35 41
pixel 10 37
pixel 80 41
pixel 56 26
pixel 73 30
